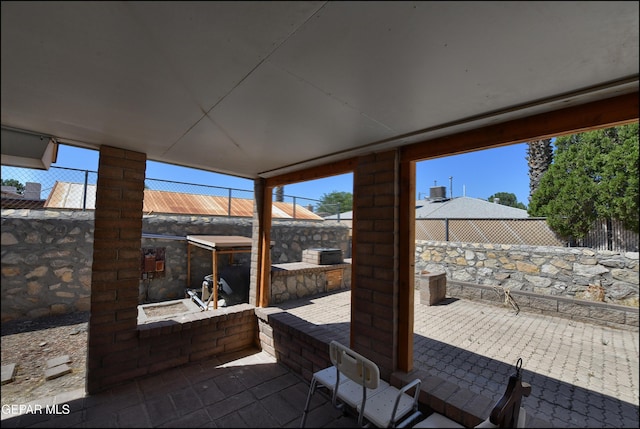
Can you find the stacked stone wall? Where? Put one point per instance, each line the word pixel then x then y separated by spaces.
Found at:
pixel 46 263
pixel 47 256
pixel 570 272
pixel 47 259
pixel 293 284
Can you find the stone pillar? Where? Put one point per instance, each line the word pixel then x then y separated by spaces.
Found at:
pixel 433 287
pixel 113 348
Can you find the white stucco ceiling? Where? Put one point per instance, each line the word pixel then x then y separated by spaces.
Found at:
pixel 261 88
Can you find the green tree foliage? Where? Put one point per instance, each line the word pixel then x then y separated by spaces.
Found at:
pixel 507 199
pixel 594 175
pixel 13 182
pixel 334 203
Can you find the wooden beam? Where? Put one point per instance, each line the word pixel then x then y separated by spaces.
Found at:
pixel 407 263
pixel 571 120
pixel 354 258
pixel 313 173
pixel 264 247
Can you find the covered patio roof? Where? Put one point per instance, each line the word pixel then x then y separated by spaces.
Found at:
pixel 281 92
pixel 260 89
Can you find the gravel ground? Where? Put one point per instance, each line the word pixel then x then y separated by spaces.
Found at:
pixel 30 344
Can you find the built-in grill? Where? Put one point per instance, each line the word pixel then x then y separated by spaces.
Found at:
pixel 322 256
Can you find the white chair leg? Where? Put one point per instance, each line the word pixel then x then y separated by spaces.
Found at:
pixel 312 390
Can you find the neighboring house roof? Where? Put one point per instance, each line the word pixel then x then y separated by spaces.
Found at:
pixel 10 193
pixel 66 195
pixel 342 216
pixel 466 208
pixel 457 208
pixel 10 202
pixel 11 199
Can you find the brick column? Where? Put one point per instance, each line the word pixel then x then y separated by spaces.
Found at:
pixel 374 310
pixel 113 341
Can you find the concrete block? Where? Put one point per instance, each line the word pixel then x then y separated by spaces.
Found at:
pixel 433 288
pixel 8 373
pixel 57 371
pixel 58 361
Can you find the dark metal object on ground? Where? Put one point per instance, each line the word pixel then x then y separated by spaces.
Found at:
pixel 506 412
pixel 233 285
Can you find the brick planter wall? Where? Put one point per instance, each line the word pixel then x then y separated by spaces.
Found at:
pixel 193 337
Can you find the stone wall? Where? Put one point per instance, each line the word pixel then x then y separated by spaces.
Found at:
pixel 559 271
pixel 47 256
pixel 597 313
pixel 299 280
pixel 46 263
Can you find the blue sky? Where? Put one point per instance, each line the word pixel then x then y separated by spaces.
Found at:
pixel 477 174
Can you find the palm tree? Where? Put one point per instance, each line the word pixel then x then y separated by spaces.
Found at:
pixel 539 157
pixel 280 193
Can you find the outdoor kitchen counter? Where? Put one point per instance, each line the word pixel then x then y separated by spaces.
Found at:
pixel 296 280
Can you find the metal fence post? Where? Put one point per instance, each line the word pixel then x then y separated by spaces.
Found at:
pixel 446 229
pixel 294 207
pixel 86 185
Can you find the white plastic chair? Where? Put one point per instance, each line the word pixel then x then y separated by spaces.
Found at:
pixel 355 381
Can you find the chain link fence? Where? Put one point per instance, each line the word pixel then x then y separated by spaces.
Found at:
pixel 75 189
pixel 527 231
pixel 58 187
pixel 196 199
pixel 604 235
pixel 296 203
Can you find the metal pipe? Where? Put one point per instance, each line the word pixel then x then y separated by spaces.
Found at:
pixel 213 292
pixel 194 298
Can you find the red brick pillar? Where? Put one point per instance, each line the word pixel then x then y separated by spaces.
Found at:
pixel 113 341
pixel 374 310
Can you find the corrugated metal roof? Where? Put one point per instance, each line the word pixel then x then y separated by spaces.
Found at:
pixel 66 195
pixel 286 210
pixel 70 195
